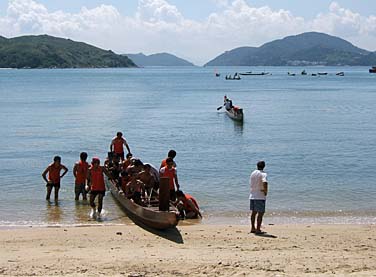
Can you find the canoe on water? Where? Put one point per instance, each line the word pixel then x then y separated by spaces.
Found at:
pixel 150 216
pixel 235 114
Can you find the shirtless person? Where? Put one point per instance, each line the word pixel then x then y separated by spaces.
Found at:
pixel 53 180
pixel 135 188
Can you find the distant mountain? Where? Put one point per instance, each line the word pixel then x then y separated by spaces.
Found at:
pixel 305 49
pixel 160 59
pixel 51 52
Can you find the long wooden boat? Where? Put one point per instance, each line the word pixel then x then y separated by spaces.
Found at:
pixel 236 115
pixel 149 216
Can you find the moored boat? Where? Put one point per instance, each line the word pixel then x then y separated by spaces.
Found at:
pixel 150 216
pixel 372 70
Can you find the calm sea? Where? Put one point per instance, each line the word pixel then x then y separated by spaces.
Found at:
pixel 317 135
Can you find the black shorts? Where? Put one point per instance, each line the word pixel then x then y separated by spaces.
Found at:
pixel 56 186
pixel 257 205
pixel 121 155
pixel 98 192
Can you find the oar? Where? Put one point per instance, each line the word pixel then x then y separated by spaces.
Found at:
pixel 220 107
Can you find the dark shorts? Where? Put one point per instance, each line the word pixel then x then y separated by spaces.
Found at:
pixel 98 192
pixel 121 155
pixel 172 195
pixel 80 188
pixel 56 186
pixel 257 205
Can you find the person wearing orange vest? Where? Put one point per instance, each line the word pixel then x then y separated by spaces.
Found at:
pixel 169 171
pixel 80 171
pixel 188 205
pixel 96 184
pixel 170 154
pixel 53 180
pixel 117 143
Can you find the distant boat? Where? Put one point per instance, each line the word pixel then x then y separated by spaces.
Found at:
pixel 314 74
pixel 217 74
pixel 235 113
pixel 372 70
pixel 254 74
pixel 236 77
pixel 291 74
pixel 304 72
pixel 340 73
pixel 322 73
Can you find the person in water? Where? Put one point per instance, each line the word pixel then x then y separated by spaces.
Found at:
pixel 259 190
pixel 117 144
pixel 80 171
pixel 169 171
pixel 187 205
pixel 97 185
pixel 53 180
pixel 171 154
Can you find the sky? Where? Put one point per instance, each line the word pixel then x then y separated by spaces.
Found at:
pixel 196 30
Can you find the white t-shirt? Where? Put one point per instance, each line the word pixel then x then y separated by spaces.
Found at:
pixel 258 177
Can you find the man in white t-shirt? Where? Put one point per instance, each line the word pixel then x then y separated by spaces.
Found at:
pixel 259 190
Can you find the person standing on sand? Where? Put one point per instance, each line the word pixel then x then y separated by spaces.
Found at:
pixel 80 171
pixel 53 180
pixel 117 143
pixel 97 186
pixel 259 190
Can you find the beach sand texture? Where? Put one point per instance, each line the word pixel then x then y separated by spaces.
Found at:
pixel 189 250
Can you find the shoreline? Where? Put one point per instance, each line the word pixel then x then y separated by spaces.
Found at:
pixel 196 250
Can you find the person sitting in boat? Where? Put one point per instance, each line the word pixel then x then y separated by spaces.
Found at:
pixel 187 205
pixel 113 166
pixel 228 104
pixel 127 162
pixel 150 181
pixel 135 189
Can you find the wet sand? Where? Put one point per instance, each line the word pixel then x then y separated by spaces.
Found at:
pixel 195 250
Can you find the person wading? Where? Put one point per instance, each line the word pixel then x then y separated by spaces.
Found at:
pixel 53 180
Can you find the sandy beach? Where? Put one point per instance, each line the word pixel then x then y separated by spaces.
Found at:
pixel 195 250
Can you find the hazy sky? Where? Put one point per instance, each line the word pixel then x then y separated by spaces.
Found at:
pixel 197 30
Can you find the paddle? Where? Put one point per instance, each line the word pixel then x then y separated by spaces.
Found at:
pixel 220 107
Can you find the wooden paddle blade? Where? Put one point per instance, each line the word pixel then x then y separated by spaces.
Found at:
pixel 219 108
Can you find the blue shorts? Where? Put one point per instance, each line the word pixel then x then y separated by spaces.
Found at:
pixel 257 205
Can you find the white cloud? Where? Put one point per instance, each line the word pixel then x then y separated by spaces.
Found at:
pixel 158 26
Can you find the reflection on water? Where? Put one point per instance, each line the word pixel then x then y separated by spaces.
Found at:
pixel 238 127
pixel 53 212
pixel 81 211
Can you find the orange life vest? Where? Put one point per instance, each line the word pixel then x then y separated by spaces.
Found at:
pixel 170 173
pixel 186 206
pixel 81 173
pixel 97 179
pixel 54 173
pixel 118 145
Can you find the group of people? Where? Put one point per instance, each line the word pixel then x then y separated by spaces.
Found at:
pixel 137 180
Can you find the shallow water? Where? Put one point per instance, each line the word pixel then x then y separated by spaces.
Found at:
pixel 316 134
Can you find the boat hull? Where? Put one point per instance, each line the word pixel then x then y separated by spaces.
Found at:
pixel 235 116
pixel 149 216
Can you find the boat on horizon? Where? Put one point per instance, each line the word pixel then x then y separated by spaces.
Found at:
pixel 372 70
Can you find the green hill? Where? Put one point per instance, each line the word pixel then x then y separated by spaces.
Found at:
pixel 51 52
pixel 159 59
pixel 305 49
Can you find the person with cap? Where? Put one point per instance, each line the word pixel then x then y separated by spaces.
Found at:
pixel 53 181
pixel 117 144
pixel 259 189
pixel 97 185
pixel 80 171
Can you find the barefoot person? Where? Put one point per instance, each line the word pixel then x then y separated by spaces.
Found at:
pixel 187 205
pixel 169 171
pixel 53 180
pixel 96 184
pixel 80 171
pixel 117 144
pixel 259 190
pixel 171 154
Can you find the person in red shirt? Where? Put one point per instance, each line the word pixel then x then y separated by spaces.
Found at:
pixel 53 180
pixel 171 154
pixel 80 171
pixel 187 205
pixel 97 185
pixel 169 171
pixel 117 144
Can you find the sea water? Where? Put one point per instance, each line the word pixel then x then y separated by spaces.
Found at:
pixel 317 135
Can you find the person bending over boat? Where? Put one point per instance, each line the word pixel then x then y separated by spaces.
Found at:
pixel 54 177
pixel 96 184
pixel 171 154
pixel 117 144
pixel 80 171
pixel 169 171
pixel 187 205
pixel 151 182
pixel 135 188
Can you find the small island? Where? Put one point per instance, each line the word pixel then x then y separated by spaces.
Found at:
pixel 52 52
